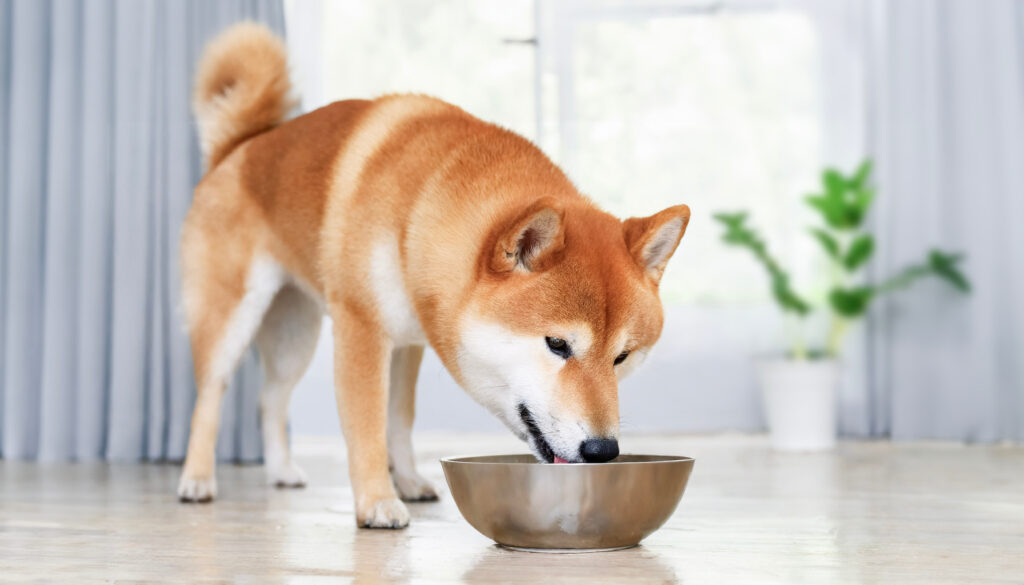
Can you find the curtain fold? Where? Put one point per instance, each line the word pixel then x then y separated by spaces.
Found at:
pixel 948 134
pixel 98 158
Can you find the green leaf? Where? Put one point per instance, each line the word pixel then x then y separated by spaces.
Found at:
pixel 941 264
pixel 833 182
pixel 828 242
pixel 862 199
pixel 787 298
pixel 852 215
pixel 831 209
pixel 850 302
pixel 737 233
pixel 845 201
pixel 860 176
pixel 944 266
pixel 859 252
pixel 731 219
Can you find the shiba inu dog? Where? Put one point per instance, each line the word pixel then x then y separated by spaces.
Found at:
pixel 409 222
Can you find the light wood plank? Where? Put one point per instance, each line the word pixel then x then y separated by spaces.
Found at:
pixel 868 513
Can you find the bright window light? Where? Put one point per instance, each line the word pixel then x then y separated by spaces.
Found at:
pixel 718 111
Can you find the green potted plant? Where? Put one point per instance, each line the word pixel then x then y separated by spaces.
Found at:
pixel 800 387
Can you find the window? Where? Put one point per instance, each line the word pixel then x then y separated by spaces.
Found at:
pixel 672 103
pixel 645 104
pixel 463 51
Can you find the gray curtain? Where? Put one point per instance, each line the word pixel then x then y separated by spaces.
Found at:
pixel 948 132
pixel 98 157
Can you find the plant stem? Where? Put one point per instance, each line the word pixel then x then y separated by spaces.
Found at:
pixel 800 349
pixel 903 279
pixel 838 324
pixel 835 334
pixel 799 343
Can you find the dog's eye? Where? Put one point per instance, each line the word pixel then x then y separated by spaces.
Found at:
pixel 621 357
pixel 559 347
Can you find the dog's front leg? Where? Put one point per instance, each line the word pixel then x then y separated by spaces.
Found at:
pixel 405 365
pixel 362 354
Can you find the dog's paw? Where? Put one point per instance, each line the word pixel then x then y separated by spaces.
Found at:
pixel 413 487
pixel 288 475
pixel 197 489
pixel 388 513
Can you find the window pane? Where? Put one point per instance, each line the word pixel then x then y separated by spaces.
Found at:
pixel 718 111
pixel 452 49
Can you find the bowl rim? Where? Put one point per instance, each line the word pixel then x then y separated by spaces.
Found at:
pixel 660 460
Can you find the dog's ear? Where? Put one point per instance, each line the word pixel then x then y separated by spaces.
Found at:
pixel 652 240
pixel 533 240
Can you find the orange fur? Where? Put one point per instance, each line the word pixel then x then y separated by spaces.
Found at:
pixel 241 88
pixel 478 225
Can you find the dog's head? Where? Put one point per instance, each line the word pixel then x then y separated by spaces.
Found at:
pixel 565 305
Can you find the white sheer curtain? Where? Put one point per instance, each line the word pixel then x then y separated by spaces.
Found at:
pixel 947 129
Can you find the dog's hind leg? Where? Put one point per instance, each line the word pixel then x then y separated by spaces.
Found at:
pixel 224 303
pixel 405 366
pixel 286 342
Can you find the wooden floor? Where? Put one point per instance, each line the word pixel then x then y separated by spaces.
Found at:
pixel 869 513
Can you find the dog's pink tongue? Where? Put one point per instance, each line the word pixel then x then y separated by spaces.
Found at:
pixel 559 459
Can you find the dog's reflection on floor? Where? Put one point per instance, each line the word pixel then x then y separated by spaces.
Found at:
pixel 381 557
pixel 634 566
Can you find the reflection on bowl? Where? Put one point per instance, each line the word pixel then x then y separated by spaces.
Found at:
pixel 521 503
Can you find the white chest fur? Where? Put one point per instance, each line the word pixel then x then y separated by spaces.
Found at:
pixel 396 311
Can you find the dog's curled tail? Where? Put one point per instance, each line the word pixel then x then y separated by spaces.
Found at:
pixel 241 88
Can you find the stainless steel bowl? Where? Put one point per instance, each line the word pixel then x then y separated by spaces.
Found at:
pixel 521 503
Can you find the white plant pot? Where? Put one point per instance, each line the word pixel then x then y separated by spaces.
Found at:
pixel 800 402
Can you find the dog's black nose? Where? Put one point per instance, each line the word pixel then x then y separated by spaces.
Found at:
pixel 599 450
